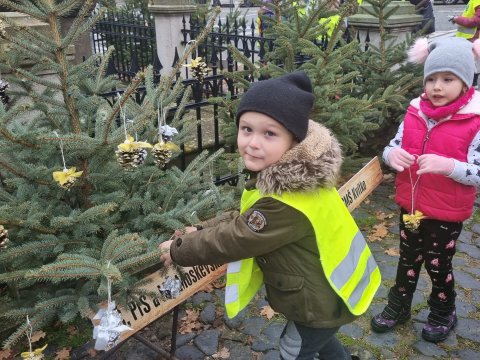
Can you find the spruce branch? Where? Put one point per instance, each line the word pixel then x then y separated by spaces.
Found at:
pixel 28 8
pixel 120 104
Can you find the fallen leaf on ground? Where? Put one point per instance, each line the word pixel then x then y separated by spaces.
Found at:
pixel 393 251
pixel 72 330
pixel 63 354
pixel 388 177
pixel 190 322
pixel 37 335
pixel 378 233
pixel 268 312
pixel 222 354
pixel 5 354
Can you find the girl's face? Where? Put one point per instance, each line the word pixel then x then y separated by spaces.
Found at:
pixel 262 140
pixel 442 88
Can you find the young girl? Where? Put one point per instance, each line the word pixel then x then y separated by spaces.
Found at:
pixel 437 154
pixel 293 232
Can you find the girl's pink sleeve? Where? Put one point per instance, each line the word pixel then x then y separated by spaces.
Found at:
pixel 469 22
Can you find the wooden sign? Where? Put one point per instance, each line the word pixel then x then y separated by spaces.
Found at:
pixel 193 279
pixel 355 190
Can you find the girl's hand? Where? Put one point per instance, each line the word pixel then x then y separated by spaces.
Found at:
pixel 435 164
pixel 400 159
pixel 165 250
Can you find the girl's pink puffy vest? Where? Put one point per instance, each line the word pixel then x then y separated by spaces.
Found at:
pixel 437 196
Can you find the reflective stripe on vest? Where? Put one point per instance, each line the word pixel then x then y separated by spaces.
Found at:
pixel 346 259
pixel 469 12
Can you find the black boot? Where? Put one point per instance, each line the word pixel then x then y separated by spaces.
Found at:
pixel 395 313
pixel 441 320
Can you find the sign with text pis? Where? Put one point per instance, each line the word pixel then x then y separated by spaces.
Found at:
pixel 174 287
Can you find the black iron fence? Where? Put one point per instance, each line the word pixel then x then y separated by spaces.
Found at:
pixel 132 34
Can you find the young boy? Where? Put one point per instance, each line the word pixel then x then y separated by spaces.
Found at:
pixel 293 232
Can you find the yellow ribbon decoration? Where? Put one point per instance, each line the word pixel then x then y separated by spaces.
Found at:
pixel 166 146
pixel 35 355
pixel 66 175
pixel 195 62
pixel 131 145
pixel 412 221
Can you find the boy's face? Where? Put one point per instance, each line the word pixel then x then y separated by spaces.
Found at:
pixel 262 140
pixel 442 88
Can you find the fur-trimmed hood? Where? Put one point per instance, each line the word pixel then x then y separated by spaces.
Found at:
pixel 315 162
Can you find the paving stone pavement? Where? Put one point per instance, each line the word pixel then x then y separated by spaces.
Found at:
pixel 252 336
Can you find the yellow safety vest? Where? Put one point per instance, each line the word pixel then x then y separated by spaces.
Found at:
pixel 469 11
pixel 346 259
pixel 331 21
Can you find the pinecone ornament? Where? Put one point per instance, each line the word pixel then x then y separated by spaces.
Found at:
pixel 162 154
pixel 4 240
pixel 129 160
pixel 3 91
pixel 66 178
pixel 199 69
pixel 130 154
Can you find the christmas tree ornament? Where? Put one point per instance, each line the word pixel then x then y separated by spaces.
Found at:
pixel 163 150
pixel 199 69
pixel 131 153
pixel 65 178
pixel 36 354
pixel 3 238
pixel 4 85
pixel 110 326
pixel 412 220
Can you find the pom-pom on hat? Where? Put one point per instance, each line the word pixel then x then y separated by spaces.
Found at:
pixel 452 54
pixel 288 99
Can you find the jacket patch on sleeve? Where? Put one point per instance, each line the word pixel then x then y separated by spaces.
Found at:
pixel 256 221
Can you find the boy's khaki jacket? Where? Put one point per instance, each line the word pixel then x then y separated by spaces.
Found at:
pixel 281 238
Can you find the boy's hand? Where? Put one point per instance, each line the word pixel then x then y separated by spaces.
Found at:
pixel 435 164
pixel 165 250
pixel 400 159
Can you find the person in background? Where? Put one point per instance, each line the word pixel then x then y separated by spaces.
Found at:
pixel 468 25
pixel 436 153
pixel 293 232
pixel 425 8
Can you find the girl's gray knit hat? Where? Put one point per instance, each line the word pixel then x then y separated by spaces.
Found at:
pixel 288 99
pixel 452 54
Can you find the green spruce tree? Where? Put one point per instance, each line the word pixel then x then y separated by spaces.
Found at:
pixel 360 94
pixel 78 209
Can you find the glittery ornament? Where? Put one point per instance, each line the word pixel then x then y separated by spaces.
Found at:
pixel 130 154
pixel 3 238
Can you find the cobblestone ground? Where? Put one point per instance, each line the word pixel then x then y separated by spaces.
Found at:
pixel 252 336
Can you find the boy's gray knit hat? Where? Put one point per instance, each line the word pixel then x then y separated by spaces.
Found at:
pixel 287 99
pixel 451 54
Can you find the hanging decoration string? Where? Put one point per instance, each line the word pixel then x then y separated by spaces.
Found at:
pixel 65 178
pixel 31 354
pixel 122 115
pixel 412 220
pixel 110 324
pixel 61 150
